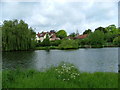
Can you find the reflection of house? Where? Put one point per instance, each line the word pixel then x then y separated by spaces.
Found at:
pixel 42 36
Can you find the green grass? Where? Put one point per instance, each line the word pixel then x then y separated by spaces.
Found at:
pixel 62 76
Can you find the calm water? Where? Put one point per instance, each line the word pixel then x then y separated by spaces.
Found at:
pixel 86 60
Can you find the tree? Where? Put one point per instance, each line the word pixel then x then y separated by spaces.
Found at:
pixel 17 36
pixel 55 42
pixel 111 28
pixel 68 44
pixel 61 34
pixel 46 41
pixel 96 38
pixel 52 31
pixel 109 37
pixel 116 41
pixel 72 34
pixel 101 29
pixel 112 32
pixel 87 31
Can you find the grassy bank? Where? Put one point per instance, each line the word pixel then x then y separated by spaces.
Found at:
pixel 53 47
pixel 63 76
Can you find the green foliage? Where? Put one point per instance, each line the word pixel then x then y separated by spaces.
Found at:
pixel 55 43
pixel 116 41
pixel 72 34
pixel 96 38
pixel 101 29
pixel 17 36
pixel 45 48
pixel 111 28
pixel 85 41
pixel 109 37
pixel 67 72
pixel 87 31
pixel 112 32
pixel 46 41
pixel 53 78
pixel 61 34
pixel 68 44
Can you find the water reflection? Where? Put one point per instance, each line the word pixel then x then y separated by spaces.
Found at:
pixel 87 60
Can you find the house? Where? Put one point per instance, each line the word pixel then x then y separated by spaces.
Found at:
pixel 42 36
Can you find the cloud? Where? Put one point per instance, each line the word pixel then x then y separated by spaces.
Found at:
pixel 47 14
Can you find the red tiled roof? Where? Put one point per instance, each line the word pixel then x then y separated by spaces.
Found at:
pixel 81 36
pixel 41 34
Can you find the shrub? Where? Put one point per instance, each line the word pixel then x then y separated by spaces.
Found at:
pixel 55 43
pixel 67 72
pixel 68 44
pixel 116 41
pixel 96 38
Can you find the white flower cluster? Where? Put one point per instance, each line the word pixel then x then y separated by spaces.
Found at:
pixel 67 72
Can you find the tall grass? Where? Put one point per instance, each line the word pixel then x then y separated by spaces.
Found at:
pixel 62 76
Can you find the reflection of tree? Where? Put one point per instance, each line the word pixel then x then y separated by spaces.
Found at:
pixel 18 59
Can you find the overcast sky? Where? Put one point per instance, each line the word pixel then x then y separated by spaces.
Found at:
pixel 48 15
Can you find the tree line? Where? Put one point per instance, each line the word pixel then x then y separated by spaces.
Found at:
pixel 108 36
pixel 17 35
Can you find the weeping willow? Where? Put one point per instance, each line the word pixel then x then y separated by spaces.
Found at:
pixel 16 35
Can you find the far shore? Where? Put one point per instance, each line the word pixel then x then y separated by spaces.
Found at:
pixel 57 48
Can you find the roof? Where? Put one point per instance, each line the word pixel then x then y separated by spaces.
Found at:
pixel 53 35
pixel 81 36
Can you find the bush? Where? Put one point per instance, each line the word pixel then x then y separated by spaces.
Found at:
pixel 68 44
pixel 96 38
pixel 55 43
pixel 67 72
pixel 116 41
pixel 46 41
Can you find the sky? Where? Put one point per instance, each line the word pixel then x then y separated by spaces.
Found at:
pixel 70 15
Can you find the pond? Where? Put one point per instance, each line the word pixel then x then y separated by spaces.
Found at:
pixel 86 60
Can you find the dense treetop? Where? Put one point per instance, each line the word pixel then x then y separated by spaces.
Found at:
pixel 61 34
